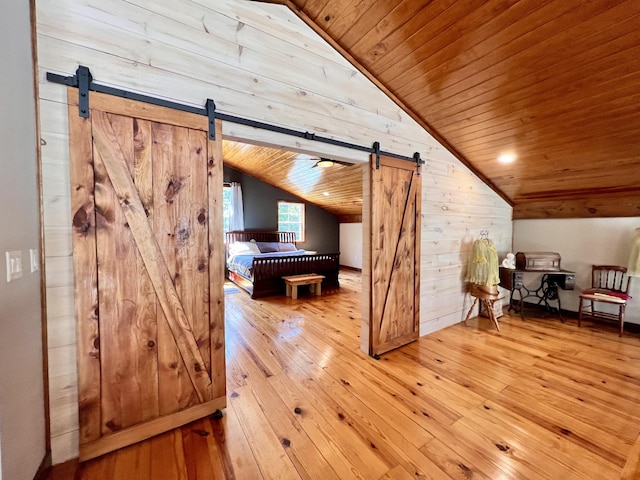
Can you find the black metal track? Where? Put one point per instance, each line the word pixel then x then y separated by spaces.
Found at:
pixel 83 73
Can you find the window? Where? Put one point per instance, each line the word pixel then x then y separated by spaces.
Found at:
pixel 291 218
pixel 227 207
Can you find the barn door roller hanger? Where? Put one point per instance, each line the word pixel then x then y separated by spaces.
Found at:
pixel 83 81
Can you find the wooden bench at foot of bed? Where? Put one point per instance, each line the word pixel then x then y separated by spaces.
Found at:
pixel 293 281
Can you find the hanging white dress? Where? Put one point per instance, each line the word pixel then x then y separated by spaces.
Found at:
pixel 633 269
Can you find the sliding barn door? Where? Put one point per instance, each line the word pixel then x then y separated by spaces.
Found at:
pixel 394 229
pixel 147 232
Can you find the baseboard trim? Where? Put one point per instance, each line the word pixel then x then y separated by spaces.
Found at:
pixel 43 470
pixel 347 267
pixel 68 470
pixel 628 326
pixel 542 311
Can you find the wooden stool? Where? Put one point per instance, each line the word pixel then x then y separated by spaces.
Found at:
pixel 292 281
pixel 487 297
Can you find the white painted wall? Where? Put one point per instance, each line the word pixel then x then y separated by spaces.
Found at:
pixel 22 429
pixel 582 243
pixel 351 244
pixel 246 57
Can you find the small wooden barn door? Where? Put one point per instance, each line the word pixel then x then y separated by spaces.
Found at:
pixel 395 255
pixel 147 232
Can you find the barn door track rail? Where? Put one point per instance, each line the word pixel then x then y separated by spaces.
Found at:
pixel 83 81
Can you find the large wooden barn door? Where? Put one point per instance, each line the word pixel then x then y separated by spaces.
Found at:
pixel 147 234
pixel 395 254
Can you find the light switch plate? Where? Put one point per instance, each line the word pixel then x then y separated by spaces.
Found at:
pixel 35 259
pixel 14 265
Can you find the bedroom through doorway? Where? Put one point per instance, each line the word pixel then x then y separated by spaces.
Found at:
pixel 320 200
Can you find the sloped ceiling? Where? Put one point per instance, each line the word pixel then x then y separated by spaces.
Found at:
pixel 556 84
pixel 337 189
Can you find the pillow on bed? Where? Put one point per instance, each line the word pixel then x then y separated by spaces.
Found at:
pixel 287 247
pixel 267 247
pixel 243 248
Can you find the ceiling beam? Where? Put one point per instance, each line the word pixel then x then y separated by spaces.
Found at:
pixel 624 204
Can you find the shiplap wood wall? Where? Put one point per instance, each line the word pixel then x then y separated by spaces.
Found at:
pixel 456 206
pixel 257 61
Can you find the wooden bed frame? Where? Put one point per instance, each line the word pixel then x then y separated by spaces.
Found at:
pixel 267 273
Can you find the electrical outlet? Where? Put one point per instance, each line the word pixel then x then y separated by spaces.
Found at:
pixel 14 265
pixel 35 259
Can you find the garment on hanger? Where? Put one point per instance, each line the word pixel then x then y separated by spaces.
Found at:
pixel 633 270
pixel 483 263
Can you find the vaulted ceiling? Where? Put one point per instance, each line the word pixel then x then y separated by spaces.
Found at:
pixel 337 189
pixel 555 84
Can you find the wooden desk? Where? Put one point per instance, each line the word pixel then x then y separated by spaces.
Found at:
pixel 292 281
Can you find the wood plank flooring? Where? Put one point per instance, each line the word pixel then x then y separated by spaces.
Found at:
pixel 539 400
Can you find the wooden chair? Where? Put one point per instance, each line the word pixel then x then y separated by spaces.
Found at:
pixel 609 285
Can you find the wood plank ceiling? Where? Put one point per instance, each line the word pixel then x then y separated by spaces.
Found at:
pixel 554 83
pixel 337 189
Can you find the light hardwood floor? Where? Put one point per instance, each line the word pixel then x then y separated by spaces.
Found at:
pixel 539 400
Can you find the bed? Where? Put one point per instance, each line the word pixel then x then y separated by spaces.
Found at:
pixel 257 261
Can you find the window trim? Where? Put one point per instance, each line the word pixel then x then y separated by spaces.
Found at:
pixel 224 230
pixel 303 223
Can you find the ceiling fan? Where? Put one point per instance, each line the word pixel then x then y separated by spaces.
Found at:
pixel 328 162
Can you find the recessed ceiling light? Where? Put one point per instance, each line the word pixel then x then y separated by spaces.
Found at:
pixel 326 194
pixel 506 158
